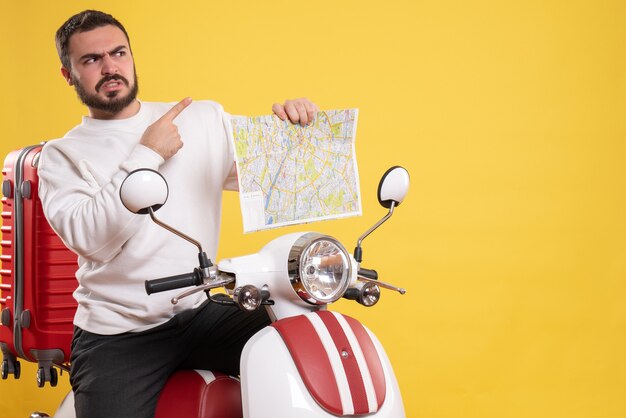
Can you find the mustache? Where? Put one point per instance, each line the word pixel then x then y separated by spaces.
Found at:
pixel 108 78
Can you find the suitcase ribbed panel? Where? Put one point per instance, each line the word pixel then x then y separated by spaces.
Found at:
pixel 56 268
pixel 48 295
pixel 7 288
pixel 38 271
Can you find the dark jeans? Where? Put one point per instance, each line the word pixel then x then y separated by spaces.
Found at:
pixel 118 376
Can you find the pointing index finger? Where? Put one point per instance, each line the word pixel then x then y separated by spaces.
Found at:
pixel 171 114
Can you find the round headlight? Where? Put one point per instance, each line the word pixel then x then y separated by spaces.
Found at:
pixel 319 268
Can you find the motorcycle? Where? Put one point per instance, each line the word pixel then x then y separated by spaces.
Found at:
pixel 310 362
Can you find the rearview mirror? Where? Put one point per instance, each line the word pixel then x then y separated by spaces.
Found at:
pixel 144 189
pixel 393 186
pixel 392 190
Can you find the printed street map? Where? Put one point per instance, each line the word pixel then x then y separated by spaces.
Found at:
pixel 289 174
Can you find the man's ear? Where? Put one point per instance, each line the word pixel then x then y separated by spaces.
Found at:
pixel 67 75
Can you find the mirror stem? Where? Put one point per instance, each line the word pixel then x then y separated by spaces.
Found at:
pixel 172 230
pixel 358 252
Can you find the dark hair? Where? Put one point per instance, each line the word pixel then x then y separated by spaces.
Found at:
pixel 82 22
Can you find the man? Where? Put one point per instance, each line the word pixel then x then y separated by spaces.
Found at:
pixel 126 343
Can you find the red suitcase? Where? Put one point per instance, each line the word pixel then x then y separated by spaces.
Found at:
pixel 38 276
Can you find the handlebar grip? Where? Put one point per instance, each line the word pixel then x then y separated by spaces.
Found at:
pixel 352 293
pixel 174 282
pixel 368 274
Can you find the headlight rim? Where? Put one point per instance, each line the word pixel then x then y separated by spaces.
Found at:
pixel 295 261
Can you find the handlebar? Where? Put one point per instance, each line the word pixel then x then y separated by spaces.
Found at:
pixel 174 282
pixel 368 275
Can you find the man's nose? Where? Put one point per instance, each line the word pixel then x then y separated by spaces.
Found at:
pixel 108 65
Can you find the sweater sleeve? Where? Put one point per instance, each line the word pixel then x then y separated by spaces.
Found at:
pixel 232 182
pixel 86 212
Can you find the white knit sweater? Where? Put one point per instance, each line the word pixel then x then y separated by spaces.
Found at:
pixel 80 176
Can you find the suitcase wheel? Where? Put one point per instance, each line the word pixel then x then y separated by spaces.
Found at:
pixel 41 377
pixel 5 369
pixel 52 376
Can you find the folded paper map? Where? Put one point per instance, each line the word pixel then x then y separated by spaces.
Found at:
pixel 289 174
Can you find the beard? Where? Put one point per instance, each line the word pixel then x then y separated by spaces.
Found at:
pixel 112 104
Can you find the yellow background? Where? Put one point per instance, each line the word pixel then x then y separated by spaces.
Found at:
pixel 509 116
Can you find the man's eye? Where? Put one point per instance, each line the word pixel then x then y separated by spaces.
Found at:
pixel 90 61
pixel 120 53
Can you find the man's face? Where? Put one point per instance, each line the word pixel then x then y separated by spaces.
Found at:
pixel 103 71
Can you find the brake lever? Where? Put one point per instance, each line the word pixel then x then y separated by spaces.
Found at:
pixel 400 290
pixel 212 284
